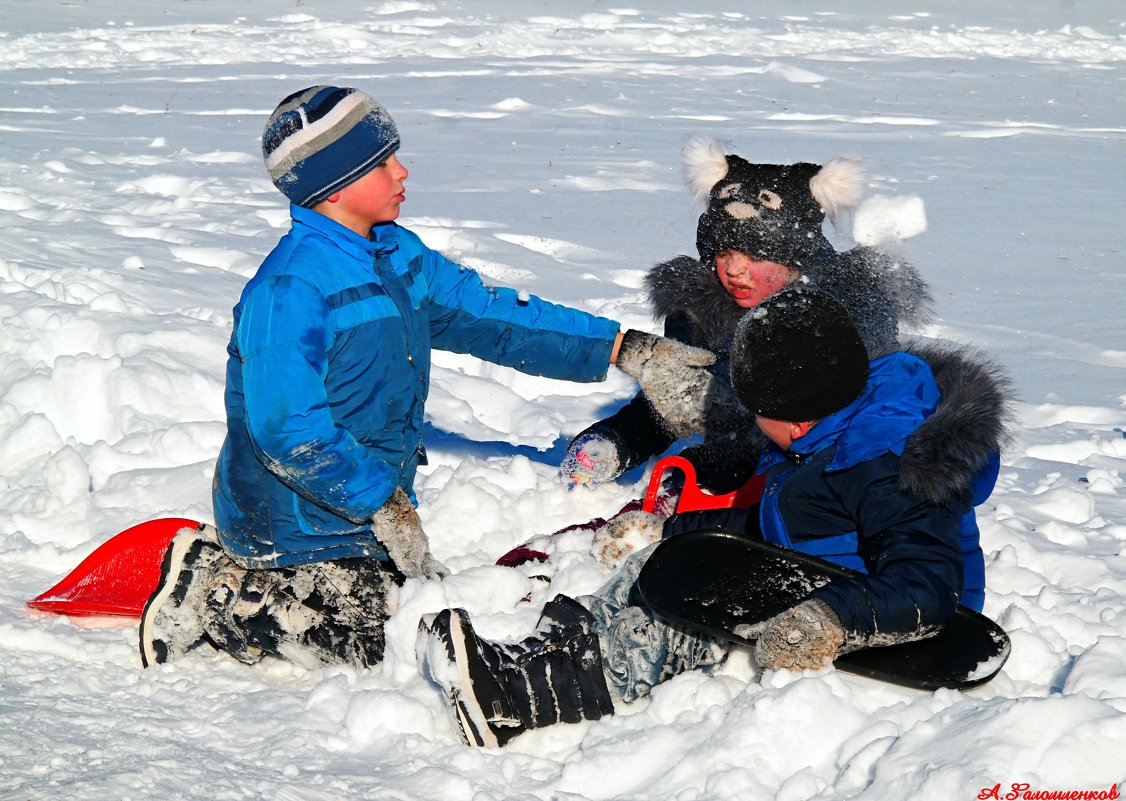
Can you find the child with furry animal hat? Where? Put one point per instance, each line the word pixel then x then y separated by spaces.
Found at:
pixel 761 231
pixel 839 428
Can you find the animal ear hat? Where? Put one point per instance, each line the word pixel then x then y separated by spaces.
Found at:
pixel 770 211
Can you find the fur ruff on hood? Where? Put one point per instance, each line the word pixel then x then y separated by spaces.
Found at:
pixel 971 422
pixel 866 281
pixel 683 285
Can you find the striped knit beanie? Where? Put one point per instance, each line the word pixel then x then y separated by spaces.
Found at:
pixel 323 138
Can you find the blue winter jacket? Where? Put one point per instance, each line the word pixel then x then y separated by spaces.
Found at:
pixel 836 494
pixel 328 373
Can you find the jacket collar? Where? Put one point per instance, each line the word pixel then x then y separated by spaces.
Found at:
pixel 380 240
pixel 900 394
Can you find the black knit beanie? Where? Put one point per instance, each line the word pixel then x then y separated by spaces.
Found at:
pixel 797 357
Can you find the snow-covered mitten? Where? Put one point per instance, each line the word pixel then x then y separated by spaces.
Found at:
pixel 397 527
pixel 805 637
pixel 674 377
pixel 591 459
pixel 624 534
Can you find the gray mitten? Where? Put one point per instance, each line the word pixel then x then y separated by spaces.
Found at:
pixel 806 637
pixel 397 527
pixel 624 534
pixel 675 379
pixel 591 459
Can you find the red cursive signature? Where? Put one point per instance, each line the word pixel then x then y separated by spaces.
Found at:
pixel 1022 791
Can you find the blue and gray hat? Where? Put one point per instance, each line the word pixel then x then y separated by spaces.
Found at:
pixel 323 138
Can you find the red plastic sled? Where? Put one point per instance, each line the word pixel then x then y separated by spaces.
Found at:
pixel 119 576
pixel 692 498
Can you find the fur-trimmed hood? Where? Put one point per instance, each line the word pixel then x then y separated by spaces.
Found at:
pixel 970 424
pixel 684 287
pixel 878 290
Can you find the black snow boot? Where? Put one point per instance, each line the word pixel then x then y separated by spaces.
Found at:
pixel 325 613
pixel 496 691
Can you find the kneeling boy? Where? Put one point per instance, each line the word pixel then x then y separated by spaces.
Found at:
pixel 327 379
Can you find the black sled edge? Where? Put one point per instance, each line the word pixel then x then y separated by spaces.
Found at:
pixel 722 584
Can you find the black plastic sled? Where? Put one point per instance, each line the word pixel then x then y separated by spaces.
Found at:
pixel 722 584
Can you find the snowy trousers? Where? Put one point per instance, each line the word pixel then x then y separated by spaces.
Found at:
pixel 315 614
pixel 638 650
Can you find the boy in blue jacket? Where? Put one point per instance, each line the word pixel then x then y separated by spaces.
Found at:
pixel 838 426
pixel 327 379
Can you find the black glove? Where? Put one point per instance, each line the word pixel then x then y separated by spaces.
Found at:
pixel 397 527
pixel 675 379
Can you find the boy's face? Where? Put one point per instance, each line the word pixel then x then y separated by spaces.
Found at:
pixel 749 280
pixel 375 198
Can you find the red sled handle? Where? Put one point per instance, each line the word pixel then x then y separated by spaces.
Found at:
pixel 692 498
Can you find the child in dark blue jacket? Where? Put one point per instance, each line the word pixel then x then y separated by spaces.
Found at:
pixel 838 427
pixel 327 379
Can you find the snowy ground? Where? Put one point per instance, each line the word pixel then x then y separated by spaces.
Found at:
pixel 542 140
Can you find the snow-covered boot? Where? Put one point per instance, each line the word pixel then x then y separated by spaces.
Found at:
pixel 317 614
pixel 172 622
pixel 559 668
pixel 227 610
pixel 469 671
pixel 496 691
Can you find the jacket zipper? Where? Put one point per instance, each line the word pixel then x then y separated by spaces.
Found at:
pixel 382 254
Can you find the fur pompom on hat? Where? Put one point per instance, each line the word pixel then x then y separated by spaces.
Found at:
pixel 770 211
pixel 797 357
pixel 322 138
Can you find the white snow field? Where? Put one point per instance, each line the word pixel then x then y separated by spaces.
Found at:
pixel 543 140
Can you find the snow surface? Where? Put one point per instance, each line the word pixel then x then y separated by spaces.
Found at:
pixel 542 139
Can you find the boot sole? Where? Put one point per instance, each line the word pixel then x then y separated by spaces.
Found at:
pixel 486 701
pixel 153 652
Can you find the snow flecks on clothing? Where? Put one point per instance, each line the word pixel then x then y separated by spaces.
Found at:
pixel 135 208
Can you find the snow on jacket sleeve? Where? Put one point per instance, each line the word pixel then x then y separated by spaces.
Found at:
pixel 294 431
pixel 515 329
pixel 910 548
